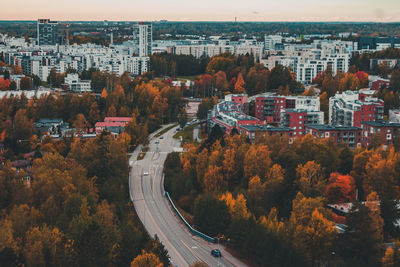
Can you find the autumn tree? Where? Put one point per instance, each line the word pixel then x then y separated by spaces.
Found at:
pixel 146 259
pixel 80 123
pixel 111 112
pixel 213 179
pixel 311 179
pixel 25 83
pixel 221 82
pixel 237 206
pixel 257 161
pixel 239 85
pixel 315 238
pixel 4 84
pixel 380 177
pixel 392 256
pixel 94 113
pixel 340 188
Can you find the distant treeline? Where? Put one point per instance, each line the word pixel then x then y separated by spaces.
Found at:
pixel 218 28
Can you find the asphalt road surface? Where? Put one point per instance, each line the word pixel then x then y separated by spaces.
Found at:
pixel 156 214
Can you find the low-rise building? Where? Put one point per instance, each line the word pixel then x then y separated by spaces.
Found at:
pixel 74 84
pixel 351 136
pixel 385 132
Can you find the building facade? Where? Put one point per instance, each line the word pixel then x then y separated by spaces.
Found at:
pixel 350 108
pixel 47 32
pixel 143 38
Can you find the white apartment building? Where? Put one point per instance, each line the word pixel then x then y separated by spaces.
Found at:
pixel 76 85
pixel 271 40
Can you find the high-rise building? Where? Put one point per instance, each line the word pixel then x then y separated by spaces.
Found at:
pixel 142 38
pixel 47 32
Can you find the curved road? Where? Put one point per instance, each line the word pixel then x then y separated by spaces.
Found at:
pixel 156 213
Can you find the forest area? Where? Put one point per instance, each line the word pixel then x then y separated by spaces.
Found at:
pixel 269 200
pixel 71 207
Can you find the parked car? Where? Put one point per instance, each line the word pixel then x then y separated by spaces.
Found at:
pixel 216 253
pixel 161 137
pixel 145 174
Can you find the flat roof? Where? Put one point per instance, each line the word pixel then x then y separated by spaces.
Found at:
pixel 327 127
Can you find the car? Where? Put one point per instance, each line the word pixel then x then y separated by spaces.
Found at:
pixel 161 137
pixel 145 174
pixel 157 141
pixel 216 253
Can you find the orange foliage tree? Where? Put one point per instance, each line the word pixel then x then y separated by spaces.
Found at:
pixel 341 188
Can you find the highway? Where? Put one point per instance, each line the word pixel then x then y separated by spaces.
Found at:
pixel 157 215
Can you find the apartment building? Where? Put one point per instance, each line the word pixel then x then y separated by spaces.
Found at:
pixel 351 108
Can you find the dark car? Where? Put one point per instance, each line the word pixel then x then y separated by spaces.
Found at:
pixel 216 253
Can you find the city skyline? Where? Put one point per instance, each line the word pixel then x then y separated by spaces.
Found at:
pixel 179 10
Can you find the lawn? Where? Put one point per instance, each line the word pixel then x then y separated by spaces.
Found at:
pixel 186 133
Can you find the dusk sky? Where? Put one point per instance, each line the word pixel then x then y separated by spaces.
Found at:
pixel 205 10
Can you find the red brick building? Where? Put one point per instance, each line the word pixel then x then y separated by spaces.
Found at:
pixel 252 130
pixel 386 132
pixel 351 136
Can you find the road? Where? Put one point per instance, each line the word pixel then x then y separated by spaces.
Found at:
pixel 156 213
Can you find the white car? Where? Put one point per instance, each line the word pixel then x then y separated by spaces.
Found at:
pixel 145 174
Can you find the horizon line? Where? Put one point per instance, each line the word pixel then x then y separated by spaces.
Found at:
pixel 220 21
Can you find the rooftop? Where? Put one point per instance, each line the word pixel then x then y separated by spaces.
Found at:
pixel 327 127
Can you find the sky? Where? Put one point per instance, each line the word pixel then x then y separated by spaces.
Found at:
pixel 204 10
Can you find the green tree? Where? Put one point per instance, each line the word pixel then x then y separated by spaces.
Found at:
pixel 211 215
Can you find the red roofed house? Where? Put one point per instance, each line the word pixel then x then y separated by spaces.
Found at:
pixel 111 122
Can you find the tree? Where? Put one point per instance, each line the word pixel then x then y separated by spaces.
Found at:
pixel 213 179
pixel 395 80
pixel 47 247
pixel 4 84
pixel 257 161
pixel 94 113
pixel 104 93
pixel 361 242
pixel 315 238
pixel 340 189
pixel 205 105
pixel 310 179
pixel 373 203
pixel 25 83
pixel 392 256
pixel 239 85
pixel 182 117
pixel 221 82
pixel 237 206
pixel 380 177
pixel 211 215
pixel 23 126
pixel 111 112
pixel 80 123
pixel 256 189
pixel 146 259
